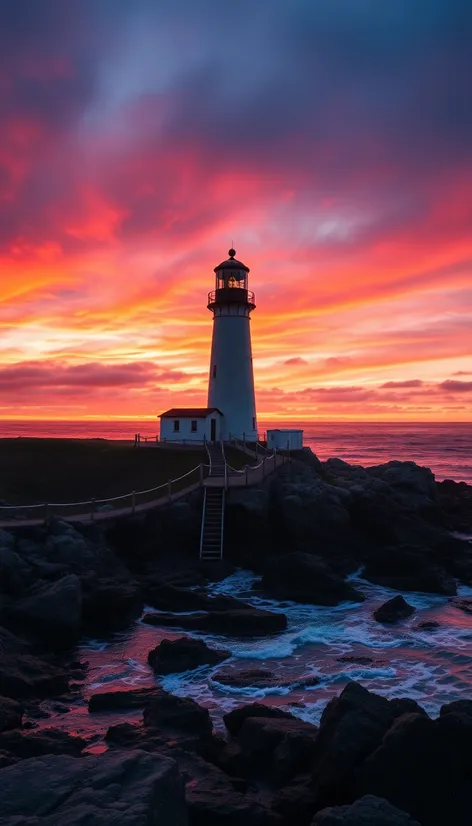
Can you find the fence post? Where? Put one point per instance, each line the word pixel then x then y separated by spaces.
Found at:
pixel 226 475
pixel 263 467
pixel 169 490
pixel 92 510
pixel 246 474
pixel 133 502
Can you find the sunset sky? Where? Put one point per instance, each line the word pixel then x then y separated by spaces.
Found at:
pixel 329 140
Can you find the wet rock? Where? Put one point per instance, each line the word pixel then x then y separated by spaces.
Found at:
pixel 213 800
pixel 12 644
pixel 305 578
pixel 7 540
pixel 51 612
pixel 409 568
pixel 24 744
pixel 181 714
pixel 24 675
pixel 422 766
pixel 275 749
pixel 130 788
pixel 352 726
pixel 463 603
pixel 427 625
pixel 14 572
pixel 394 610
pixel 405 705
pixel 294 802
pixel 459 707
pixel 455 499
pixel 260 678
pixel 368 811
pixel 121 700
pixel 250 622
pixel 417 483
pixel 109 604
pixel 11 714
pixel 352 658
pixel 183 654
pixel 60 708
pixel 233 720
pixel 171 598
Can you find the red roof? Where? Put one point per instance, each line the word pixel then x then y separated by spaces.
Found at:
pixel 189 412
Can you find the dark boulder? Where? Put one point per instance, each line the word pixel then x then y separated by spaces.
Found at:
pixel 463 603
pixel 260 678
pixel 183 654
pixel 409 568
pixel 214 799
pixel 455 499
pixel 427 625
pixel 352 726
pixel 15 573
pixel 250 622
pixel 358 660
pixel 233 720
pixel 24 744
pixel 130 788
pixel 459 707
pixel 275 749
pixel 181 714
pixel 294 802
pixel 109 604
pixel 24 675
pixel 302 577
pixel 50 611
pixel 393 610
pixel 11 714
pixel 121 700
pixel 423 767
pixel 368 811
pixel 168 597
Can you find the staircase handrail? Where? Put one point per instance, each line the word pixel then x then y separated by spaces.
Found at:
pixel 209 455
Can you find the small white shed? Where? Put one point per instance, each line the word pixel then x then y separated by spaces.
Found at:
pixel 285 439
pixel 191 424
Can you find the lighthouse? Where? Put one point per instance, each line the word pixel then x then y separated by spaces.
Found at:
pixel 231 379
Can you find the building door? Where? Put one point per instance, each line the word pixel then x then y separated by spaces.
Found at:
pixel 213 430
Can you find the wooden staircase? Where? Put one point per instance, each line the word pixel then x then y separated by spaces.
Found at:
pixel 211 537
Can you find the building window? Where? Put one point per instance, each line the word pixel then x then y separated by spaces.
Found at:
pixel 214 371
pixel 176 426
pixel 193 426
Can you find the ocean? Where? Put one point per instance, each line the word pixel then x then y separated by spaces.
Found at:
pixel 334 645
pixel 446 448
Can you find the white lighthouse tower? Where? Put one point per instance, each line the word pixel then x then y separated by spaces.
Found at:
pixel 231 381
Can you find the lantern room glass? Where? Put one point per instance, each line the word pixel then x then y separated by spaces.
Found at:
pixel 231 279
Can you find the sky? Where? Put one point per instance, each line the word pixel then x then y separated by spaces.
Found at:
pixel 329 140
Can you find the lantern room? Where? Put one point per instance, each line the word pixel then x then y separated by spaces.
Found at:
pixel 231 274
pixel 231 279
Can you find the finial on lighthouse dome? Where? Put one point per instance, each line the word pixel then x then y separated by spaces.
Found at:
pixel 231 263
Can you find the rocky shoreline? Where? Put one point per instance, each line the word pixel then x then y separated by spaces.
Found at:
pixel 304 531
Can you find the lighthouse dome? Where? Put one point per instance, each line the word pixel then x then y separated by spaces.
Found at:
pixel 232 263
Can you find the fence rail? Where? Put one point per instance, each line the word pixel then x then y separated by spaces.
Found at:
pixel 98 509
